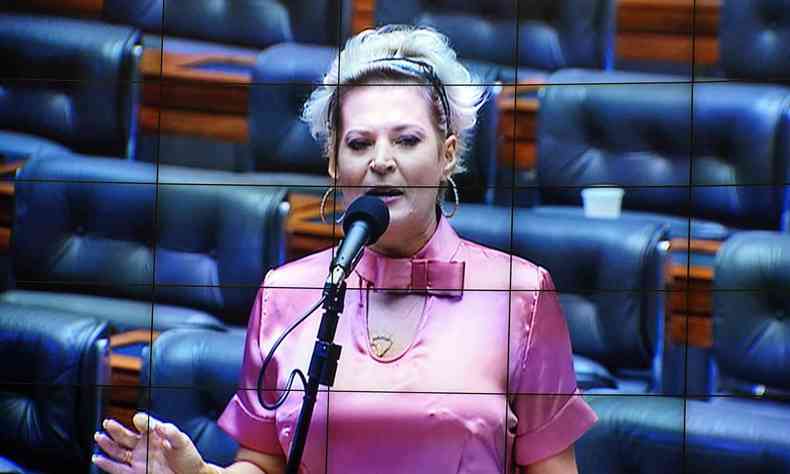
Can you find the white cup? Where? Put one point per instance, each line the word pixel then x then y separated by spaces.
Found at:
pixel 602 202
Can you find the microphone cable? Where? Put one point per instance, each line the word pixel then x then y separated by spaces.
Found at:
pixel 294 373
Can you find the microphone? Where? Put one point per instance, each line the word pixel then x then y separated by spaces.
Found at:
pixel 366 220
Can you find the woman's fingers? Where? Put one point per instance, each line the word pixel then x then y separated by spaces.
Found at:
pixel 113 449
pixel 172 437
pixel 144 422
pixel 120 434
pixel 110 466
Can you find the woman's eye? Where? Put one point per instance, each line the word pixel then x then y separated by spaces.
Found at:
pixel 408 141
pixel 357 145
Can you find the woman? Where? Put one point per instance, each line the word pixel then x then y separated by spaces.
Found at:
pixel 443 368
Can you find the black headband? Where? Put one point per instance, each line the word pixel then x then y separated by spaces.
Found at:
pixel 408 67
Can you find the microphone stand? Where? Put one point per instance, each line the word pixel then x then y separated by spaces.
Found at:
pixel 323 364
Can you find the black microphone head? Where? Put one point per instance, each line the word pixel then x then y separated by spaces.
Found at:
pixel 371 210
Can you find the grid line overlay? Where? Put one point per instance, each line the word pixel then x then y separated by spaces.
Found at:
pixel 157 184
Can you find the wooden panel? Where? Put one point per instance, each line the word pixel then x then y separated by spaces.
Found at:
pixel 710 247
pixel 7 188
pixel 10 167
pixel 83 8
pixel 363 15
pixel 181 99
pixel 669 16
pixel 5 240
pixel 523 153
pixel 233 128
pixel 665 47
pixel 121 413
pixel 693 301
pixel 700 331
pixel 124 392
pixel 690 301
pixel 522 127
pixel 518 119
pixel 222 98
pixel 305 231
pixel 662 30
pixel 137 336
pixel 699 276
pixel 186 66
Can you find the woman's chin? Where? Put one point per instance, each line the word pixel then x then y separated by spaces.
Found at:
pixel 399 212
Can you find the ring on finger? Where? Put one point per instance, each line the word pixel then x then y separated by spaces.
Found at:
pixel 127 457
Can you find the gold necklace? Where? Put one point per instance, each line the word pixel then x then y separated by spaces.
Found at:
pixel 382 343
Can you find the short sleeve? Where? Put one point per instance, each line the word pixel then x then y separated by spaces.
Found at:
pixel 550 410
pixel 244 418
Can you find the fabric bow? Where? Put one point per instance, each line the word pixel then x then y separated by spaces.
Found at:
pixel 417 275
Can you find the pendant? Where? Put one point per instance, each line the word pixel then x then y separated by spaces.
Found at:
pixel 381 345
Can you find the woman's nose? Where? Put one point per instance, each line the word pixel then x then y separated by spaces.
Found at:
pixel 383 161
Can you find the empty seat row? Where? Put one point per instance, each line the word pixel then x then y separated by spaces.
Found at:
pixel 495 38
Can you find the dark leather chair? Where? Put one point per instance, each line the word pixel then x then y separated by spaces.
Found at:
pixel 54 365
pixel 229 25
pixel 739 420
pixel 140 245
pixel 231 33
pixel 193 374
pixel 286 154
pixel 551 35
pixel 719 162
pixel 663 435
pixel 609 275
pixel 752 36
pixel 751 304
pixel 67 85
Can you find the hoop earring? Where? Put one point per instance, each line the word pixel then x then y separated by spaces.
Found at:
pixel 329 190
pixel 457 199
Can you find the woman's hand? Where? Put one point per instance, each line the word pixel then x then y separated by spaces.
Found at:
pixel 156 447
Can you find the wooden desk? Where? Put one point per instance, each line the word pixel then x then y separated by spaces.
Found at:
pixel 668 30
pixel 7 171
pixel 88 9
pixel 363 15
pixel 182 99
pixel 518 119
pixel 125 390
pixel 689 304
pixel 305 233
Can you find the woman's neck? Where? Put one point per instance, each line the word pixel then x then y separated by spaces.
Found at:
pixel 400 243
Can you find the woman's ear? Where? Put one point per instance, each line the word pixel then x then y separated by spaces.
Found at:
pixel 331 167
pixel 450 159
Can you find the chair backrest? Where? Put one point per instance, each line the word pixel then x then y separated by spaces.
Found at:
pixel 253 23
pixel 751 310
pixel 55 364
pixel 551 35
pixel 649 133
pixel 138 231
pixel 196 373
pixel 752 39
pixel 281 141
pixel 657 435
pixel 608 273
pixel 71 81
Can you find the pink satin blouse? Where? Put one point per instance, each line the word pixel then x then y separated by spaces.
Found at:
pixel 486 384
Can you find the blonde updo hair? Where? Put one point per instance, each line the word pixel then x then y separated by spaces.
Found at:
pixel 364 59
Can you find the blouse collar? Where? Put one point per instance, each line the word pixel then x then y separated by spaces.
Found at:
pixel 431 270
